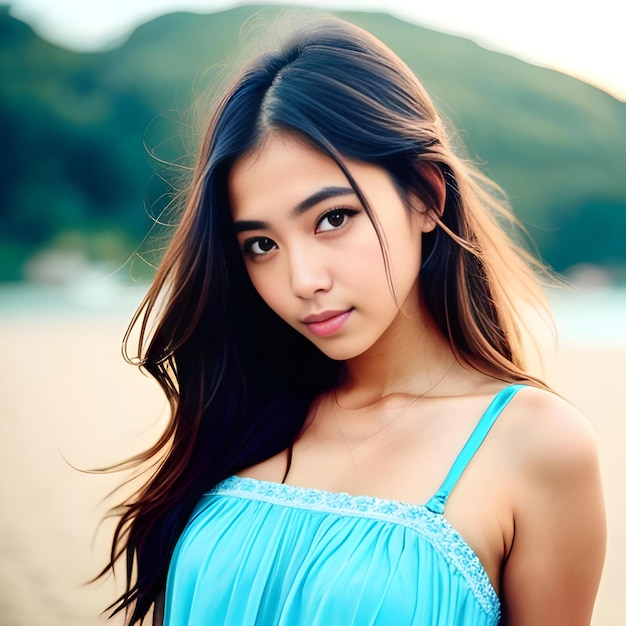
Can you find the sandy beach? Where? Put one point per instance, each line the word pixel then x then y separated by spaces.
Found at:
pixel 70 401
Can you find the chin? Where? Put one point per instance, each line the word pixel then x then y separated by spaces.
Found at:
pixel 340 352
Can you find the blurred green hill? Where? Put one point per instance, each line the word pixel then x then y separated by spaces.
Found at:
pixel 93 143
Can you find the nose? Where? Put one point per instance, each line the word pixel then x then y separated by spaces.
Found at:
pixel 309 272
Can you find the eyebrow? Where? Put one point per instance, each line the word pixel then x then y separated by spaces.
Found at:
pixel 299 209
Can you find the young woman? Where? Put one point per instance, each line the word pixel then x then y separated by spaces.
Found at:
pixel 354 437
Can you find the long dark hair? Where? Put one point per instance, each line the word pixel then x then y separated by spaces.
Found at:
pixel 240 381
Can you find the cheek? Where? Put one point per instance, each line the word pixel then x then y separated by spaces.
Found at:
pixel 367 263
pixel 405 254
pixel 363 254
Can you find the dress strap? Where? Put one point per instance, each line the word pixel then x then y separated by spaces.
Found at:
pixel 438 502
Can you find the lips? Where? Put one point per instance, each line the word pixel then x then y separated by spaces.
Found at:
pixel 328 322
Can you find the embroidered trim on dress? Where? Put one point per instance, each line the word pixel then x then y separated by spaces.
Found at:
pixel 432 526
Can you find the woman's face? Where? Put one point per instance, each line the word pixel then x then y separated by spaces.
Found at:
pixel 313 254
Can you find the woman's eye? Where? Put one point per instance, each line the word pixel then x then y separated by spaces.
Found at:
pixel 258 246
pixel 334 219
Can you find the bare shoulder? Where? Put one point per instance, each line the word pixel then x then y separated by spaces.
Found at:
pixel 549 434
pixel 553 568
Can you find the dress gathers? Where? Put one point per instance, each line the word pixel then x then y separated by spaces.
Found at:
pixel 258 553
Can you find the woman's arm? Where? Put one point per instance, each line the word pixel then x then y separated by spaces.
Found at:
pixel 552 573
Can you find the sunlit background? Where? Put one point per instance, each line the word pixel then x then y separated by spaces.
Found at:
pixel 97 137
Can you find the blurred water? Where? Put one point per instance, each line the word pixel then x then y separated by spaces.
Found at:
pixel 593 316
pixel 97 298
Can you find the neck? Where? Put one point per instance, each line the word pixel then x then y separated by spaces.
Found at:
pixel 412 357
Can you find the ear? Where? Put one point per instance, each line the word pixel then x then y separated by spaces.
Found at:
pixel 432 210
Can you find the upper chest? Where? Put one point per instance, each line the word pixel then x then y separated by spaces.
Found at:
pixel 407 460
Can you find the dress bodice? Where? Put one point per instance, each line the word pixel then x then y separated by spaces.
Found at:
pixel 269 554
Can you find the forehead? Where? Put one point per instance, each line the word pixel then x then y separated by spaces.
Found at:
pixel 283 170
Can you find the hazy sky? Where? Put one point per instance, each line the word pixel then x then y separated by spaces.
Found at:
pixel 585 39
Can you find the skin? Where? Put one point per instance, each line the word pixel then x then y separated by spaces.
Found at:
pixel 537 521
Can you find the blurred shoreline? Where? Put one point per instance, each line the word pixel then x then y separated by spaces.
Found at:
pixel 102 297
pixel 69 399
pixel 592 316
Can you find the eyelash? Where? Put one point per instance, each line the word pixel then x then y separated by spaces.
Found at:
pixel 346 213
pixel 246 248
